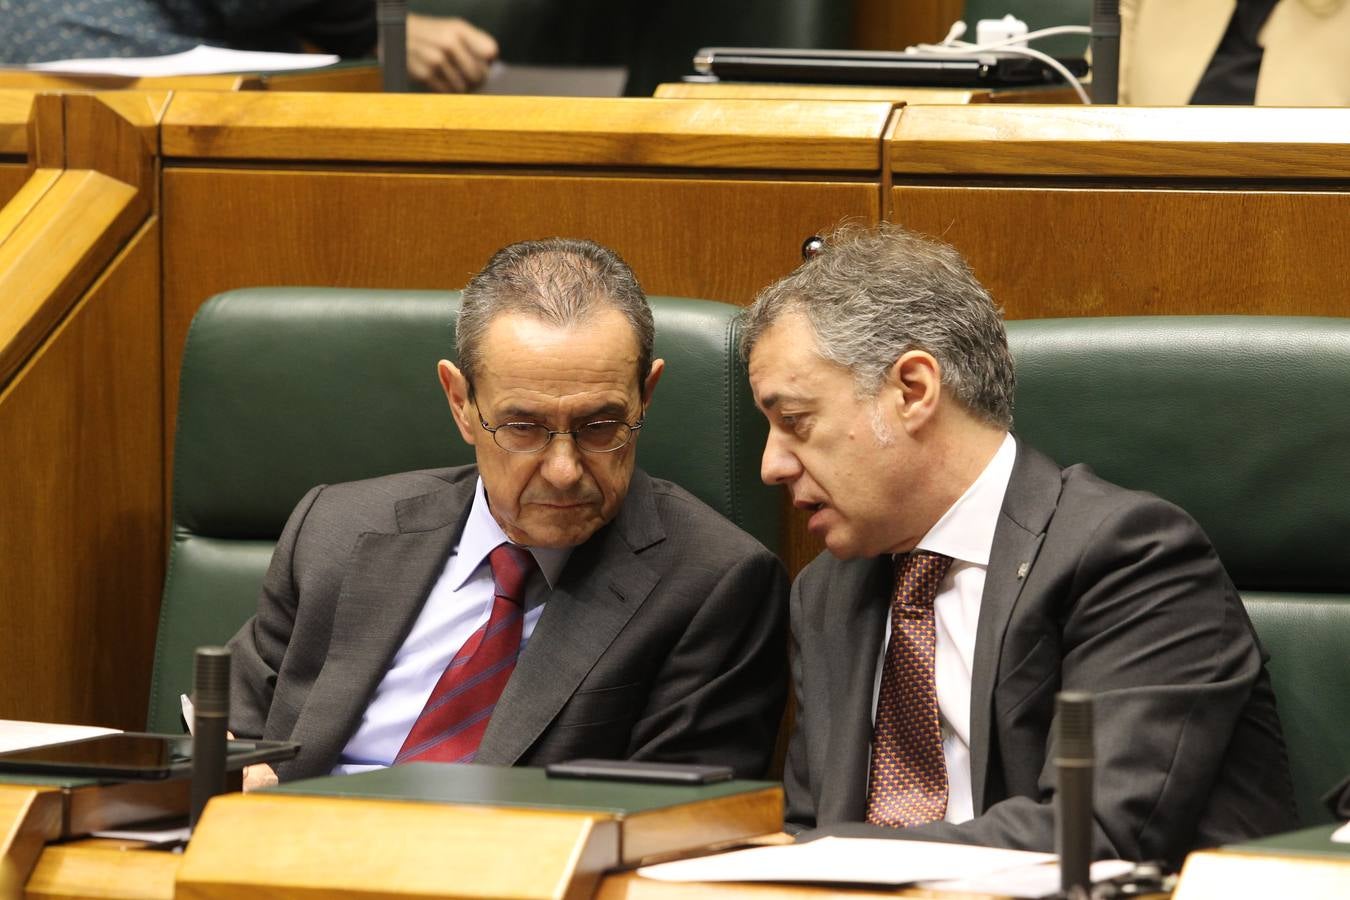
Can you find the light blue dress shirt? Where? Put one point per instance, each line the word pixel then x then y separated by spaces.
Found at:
pixel 459 604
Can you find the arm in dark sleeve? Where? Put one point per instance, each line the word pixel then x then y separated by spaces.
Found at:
pixel 1154 629
pixel 259 647
pixel 801 808
pixel 718 697
pixel 344 27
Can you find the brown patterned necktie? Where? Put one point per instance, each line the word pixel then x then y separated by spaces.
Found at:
pixel 908 783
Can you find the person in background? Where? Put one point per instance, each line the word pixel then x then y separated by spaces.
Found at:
pixel 444 53
pixel 1235 52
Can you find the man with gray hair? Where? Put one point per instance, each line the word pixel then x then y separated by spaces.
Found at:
pixel 968 579
pixel 550 602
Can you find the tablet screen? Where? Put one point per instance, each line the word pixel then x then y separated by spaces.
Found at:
pixel 134 755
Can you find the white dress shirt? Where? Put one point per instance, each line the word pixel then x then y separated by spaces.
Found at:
pixel 459 604
pixel 965 533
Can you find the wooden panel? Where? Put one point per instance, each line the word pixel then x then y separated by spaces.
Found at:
pixel 34 186
pixel 741 90
pixel 1194 142
pixel 310 847
pixel 14 110
pixel 51 254
pixel 81 548
pixel 892 25
pixel 87 870
pixel 1080 252
pixel 772 135
pixel 744 90
pixel 337 78
pixel 1220 875
pixel 712 239
pixel 29 816
pixel 12 177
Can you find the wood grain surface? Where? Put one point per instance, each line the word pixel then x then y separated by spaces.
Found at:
pixel 721 239
pixel 888 25
pixel 29 816
pixel 30 190
pixel 290 846
pixel 1220 875
pixel 15 106
pixel 634 132
pixel 52 254
pixel 88 869
pixel 338 78
pixel 905 96
pixel 1046 252
pixel 81 554
pixel 12 177
pixel 1185 142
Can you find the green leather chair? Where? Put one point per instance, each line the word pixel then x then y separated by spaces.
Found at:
pixel 285 388
pixel 1244 422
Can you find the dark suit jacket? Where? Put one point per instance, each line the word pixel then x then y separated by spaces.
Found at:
pixel 1121 595
pixel 663 639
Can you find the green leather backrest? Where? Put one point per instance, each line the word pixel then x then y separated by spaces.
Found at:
pixel 285 388
pixel 1242 421
pixel 1308 636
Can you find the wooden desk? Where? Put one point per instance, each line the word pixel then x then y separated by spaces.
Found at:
pixel 908 96
pixel 344 77
pixel 1103 211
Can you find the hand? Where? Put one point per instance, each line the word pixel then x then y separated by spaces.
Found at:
pixel 258 775
pixel 448 54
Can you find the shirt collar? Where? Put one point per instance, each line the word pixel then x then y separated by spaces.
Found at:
pixel 481 536
pixel 966 530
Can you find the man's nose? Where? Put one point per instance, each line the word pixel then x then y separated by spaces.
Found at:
pixel 562 462
pixel 777 466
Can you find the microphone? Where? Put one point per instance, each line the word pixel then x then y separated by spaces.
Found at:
pixel 1073 798
pixel 1105 51
pixel 210 716
pixel 392 18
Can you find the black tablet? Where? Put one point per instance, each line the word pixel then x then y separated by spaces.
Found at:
pixel 131 754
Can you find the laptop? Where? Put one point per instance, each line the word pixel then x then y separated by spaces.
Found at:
pixel 878 67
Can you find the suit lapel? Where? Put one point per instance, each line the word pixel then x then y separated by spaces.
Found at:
pixel 387 583
pixel 1028 505
pixel 852 648
pixel 602 586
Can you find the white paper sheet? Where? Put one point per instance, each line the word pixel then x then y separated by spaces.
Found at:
pixel 200 60
pixel 149 835
pixel 16 735
pixel 1027 881
pixel 1342 834
pixel 849 861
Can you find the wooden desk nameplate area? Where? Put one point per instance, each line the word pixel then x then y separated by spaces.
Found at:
pixel 1302 864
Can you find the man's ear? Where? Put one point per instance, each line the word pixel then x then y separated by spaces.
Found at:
pixel 456 388
pixel 649 385
pixel 915 380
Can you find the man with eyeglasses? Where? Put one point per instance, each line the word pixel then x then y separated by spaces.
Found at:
pixel 550 602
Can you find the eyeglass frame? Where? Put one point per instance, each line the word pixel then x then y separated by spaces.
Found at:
pixel 492 430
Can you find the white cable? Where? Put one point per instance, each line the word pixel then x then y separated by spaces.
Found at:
pixel 952 44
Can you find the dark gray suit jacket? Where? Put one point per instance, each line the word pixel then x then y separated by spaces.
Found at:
pixel 1090 587
pixel 664 638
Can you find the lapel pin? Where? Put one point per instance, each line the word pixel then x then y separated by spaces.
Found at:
pixel 1022 570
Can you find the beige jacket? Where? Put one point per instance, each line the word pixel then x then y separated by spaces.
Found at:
pixel 1166 45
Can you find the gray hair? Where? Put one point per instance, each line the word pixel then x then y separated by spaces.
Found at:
pixel 559 280
pixel 873 294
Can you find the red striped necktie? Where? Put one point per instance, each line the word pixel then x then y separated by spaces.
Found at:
pixel 908 784
pixel 452 723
